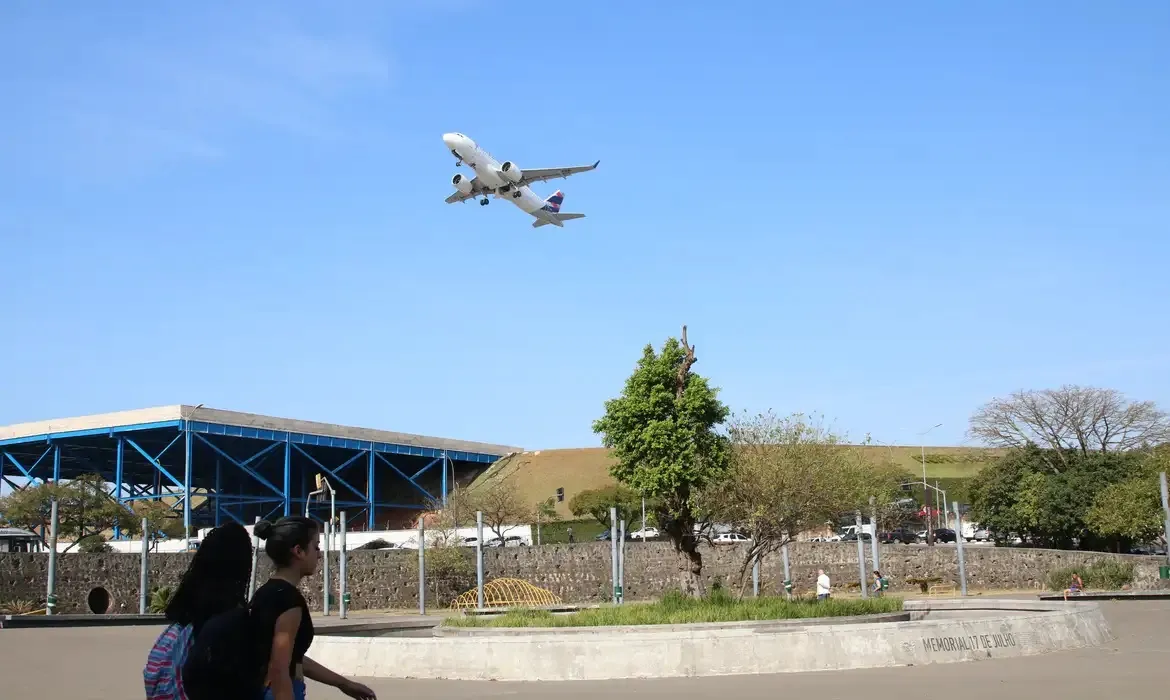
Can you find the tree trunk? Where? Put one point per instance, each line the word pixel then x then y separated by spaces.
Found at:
pixel 690 569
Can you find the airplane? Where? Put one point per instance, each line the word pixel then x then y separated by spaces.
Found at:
pixel 500 179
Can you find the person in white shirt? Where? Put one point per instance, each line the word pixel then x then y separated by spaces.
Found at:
pixel 822 585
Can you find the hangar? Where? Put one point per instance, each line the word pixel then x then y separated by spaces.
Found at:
pixel 215 465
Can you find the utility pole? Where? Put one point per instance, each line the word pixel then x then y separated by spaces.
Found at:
pixel 1166 515
pixel 925 486
pixel 874 541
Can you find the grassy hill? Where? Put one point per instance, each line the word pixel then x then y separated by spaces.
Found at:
pixel 537 475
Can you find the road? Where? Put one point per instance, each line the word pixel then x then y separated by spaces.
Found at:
pixel 106 664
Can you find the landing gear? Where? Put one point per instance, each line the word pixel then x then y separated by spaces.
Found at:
pixel 484 202
pixel 516 194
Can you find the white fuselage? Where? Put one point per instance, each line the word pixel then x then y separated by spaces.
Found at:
pixel 488 170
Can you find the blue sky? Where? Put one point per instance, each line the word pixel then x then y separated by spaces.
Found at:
pixel 883 214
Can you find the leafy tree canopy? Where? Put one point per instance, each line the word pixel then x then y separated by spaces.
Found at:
pixel 662 431
pixel 1021 495
pixel 1132 509
pixel 597 502
pixel 84 509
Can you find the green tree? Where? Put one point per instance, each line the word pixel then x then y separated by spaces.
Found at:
pixel 597 502
pixel 1021 495
pixel 662 431
pixel 786 476
pixel 84 509
pixel 161 519
pixel 1131 510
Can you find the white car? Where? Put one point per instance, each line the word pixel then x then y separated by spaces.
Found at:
pixel 730 538
pixel 649 533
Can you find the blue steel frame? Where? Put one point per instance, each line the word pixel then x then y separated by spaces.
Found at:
pixel 241 473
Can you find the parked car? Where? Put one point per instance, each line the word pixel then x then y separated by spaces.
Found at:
pixel 900 535
pixel 509 541
pixel 852 537
pixel 604 536
pixel 944 534
pixel 730 538
pixel 649 533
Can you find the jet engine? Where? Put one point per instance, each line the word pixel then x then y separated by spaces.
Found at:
pixel 461 183
pixel 511 172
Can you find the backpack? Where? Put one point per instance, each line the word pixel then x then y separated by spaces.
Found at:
pixel 164 662
pixel 226 657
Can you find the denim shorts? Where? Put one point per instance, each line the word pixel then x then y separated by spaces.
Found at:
pixel 298 690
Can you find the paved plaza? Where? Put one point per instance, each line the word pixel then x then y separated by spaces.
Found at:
pixel 105 663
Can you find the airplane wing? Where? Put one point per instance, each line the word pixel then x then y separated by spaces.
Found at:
pixel 543 174
pixel 476 190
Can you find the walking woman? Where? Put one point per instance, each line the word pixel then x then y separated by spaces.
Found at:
pixel 216 581
pixel 282 613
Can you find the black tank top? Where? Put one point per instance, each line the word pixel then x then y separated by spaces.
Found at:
pixel 270 601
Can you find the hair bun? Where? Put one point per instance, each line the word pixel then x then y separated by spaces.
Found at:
pixel 262 529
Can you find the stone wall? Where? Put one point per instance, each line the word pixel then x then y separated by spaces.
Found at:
pixel 577 572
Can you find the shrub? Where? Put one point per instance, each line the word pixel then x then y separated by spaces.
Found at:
pixel 924 582
pixel 160 598
pixel 1104 575
pixel 19 607
pixel 95 545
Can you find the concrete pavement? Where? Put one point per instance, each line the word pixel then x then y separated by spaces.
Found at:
pixel 106 664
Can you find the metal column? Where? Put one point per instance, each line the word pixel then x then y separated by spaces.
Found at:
pixel 479 560
pixel 342 605
pixel 187 467
pixel 1165 513
pixel 959 547
pixel 142 594
pixel 861 556
pixel 370 490
pixel 51 585
pixel 873 518
pixel 287 477
pixel 613 552
pixel 119 477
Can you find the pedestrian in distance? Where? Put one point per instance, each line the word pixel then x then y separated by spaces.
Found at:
pixel 216 581
pixel 823 585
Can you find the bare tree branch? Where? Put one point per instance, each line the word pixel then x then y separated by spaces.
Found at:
pixel 1069 419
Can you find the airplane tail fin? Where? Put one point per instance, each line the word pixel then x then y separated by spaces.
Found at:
pixel 559 217
pixel 554 201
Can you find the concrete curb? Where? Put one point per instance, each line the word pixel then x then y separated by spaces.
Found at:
pixel 757 625
pixel 14 621
pixel 946 631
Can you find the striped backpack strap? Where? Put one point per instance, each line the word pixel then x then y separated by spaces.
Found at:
pixel 161 675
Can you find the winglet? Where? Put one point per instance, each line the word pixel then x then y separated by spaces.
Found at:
pixel 597 163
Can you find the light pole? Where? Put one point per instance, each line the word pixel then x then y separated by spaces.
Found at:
pixel 922 443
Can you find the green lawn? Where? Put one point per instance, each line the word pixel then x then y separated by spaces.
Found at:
pixel 675 609
pixel 583 531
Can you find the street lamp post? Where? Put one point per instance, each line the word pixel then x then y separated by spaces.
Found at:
pixel 925 486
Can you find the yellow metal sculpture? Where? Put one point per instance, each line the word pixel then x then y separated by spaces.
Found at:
pixel 506 593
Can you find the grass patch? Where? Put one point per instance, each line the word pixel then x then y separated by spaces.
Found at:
pixel 676 609
pixel 583 531
pixel 1104 575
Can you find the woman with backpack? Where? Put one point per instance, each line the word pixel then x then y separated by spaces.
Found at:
pixel 216 580
pixel 282 616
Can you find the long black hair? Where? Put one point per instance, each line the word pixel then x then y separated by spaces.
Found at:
pixel 281 537
pixel 216 579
